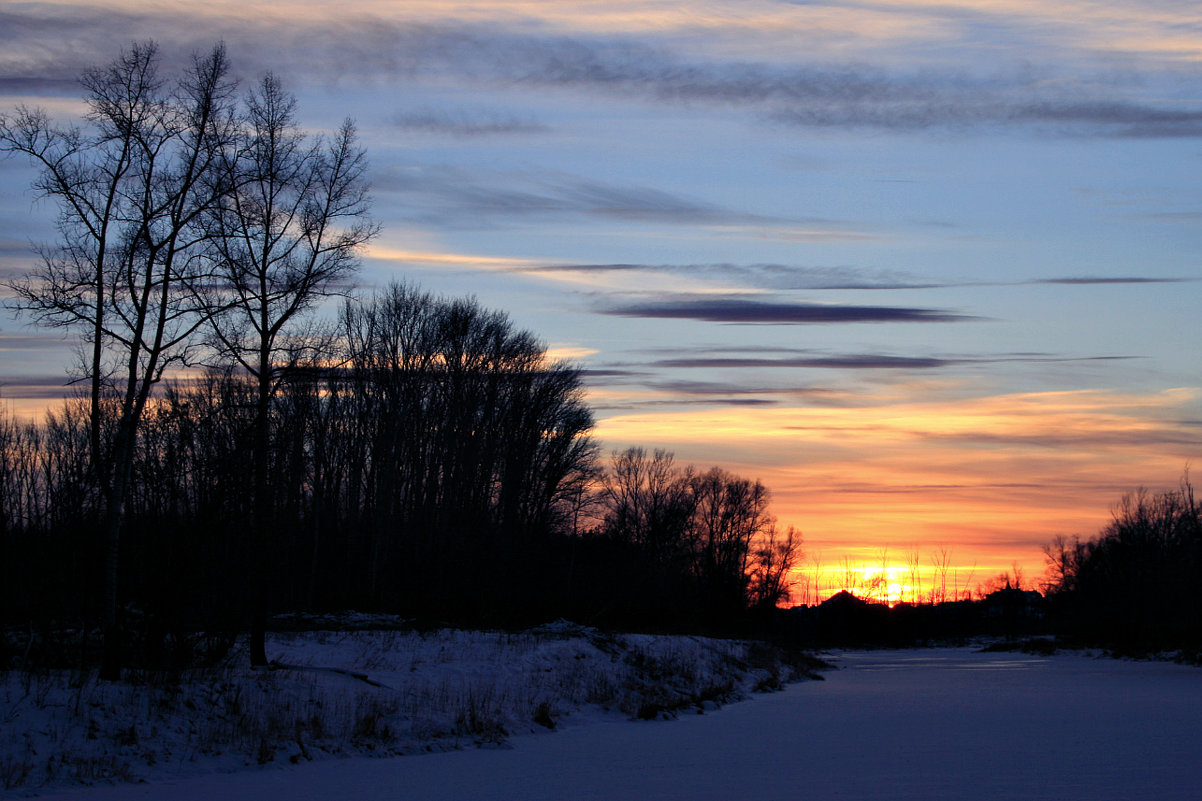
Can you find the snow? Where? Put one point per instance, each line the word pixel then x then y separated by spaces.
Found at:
pixel 363 691
pixel 949 723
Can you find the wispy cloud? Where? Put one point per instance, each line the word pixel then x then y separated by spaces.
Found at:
pixel 436 258
pixel 745 311
pixel 1187 217
pixel 840 95
pixel 13 247
pixel 712 388
pixel 766 276
pixel 466 123
pixel 1089 280
pixel 48 45
pixel 27 342
pixel 952 104
pixel 785 277
pixel 747 358
pixel 457 197
pixel 860 361
pixel 34 387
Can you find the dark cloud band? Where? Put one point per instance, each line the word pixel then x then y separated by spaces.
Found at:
pixel 738 310
pixel 849 362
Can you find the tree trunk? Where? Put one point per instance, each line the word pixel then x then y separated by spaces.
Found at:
pixel 110 660
pixel 263 518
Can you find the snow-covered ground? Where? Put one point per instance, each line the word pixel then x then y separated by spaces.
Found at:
pixel 360 693
pixel 926 724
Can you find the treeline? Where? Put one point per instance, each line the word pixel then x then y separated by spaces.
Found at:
pixel 422 456
pixel 1136 586
pixel 435 463
pixel 699 546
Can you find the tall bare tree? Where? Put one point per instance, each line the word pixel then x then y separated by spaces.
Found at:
pixel 774 557
pixel 131 185
pixel 285 234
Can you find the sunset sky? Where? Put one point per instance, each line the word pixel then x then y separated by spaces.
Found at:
pixel 928 268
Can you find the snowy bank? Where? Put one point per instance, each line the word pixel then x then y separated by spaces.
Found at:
pixel 938 724
pixel 362 691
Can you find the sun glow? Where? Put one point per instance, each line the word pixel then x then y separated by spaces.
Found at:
pixel 880 584
pixel 921 581
pixel 973 484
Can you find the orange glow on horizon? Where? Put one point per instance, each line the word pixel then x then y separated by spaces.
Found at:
pixel 814 581
pixel 984 481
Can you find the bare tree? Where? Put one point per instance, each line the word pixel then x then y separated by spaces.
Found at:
pixel 771 570
pixel 286 233
pixel 1062 556
pixel 882 580
pixel 816 582
pixel 913 562
pixel 972 571
pixel 852 577
pixel 647 500
pixel 1019 577
pixel 729 514
pixel 131 186
pixel 941 561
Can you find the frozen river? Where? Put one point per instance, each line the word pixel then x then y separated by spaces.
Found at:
pixel 923 724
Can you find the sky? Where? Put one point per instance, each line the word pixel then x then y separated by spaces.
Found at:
pixel 929 269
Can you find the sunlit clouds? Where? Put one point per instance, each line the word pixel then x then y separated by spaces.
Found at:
pixel 400 257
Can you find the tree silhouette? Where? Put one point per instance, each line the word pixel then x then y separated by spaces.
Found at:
pixel 284 234
pixel 1135 585
pixel 131 186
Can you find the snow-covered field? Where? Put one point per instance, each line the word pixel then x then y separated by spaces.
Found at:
pixel 359 693
pixel 926 724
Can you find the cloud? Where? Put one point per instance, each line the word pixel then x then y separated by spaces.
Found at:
pixel 760 358
pixel 466 124
pixel 384 252
pixel 624 388
pixel 744 311
pixel 49 45
pixel 53 64
pixel 947 104
pixel 1188 217
pixel 34 387
pixel 1168 435
pixel 10 248
pixel 475 198
pixel 834 95
pixel 603 375
pixel 631 405
pixel 686 387
pixel 794 277
pixel 848 362
pixel 769 276
pixel 23 342
pixel 1124 119
pixel 1094 280
pixel 46 47
pixel 568 352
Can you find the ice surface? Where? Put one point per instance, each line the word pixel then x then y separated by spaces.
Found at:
pixel 926 724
